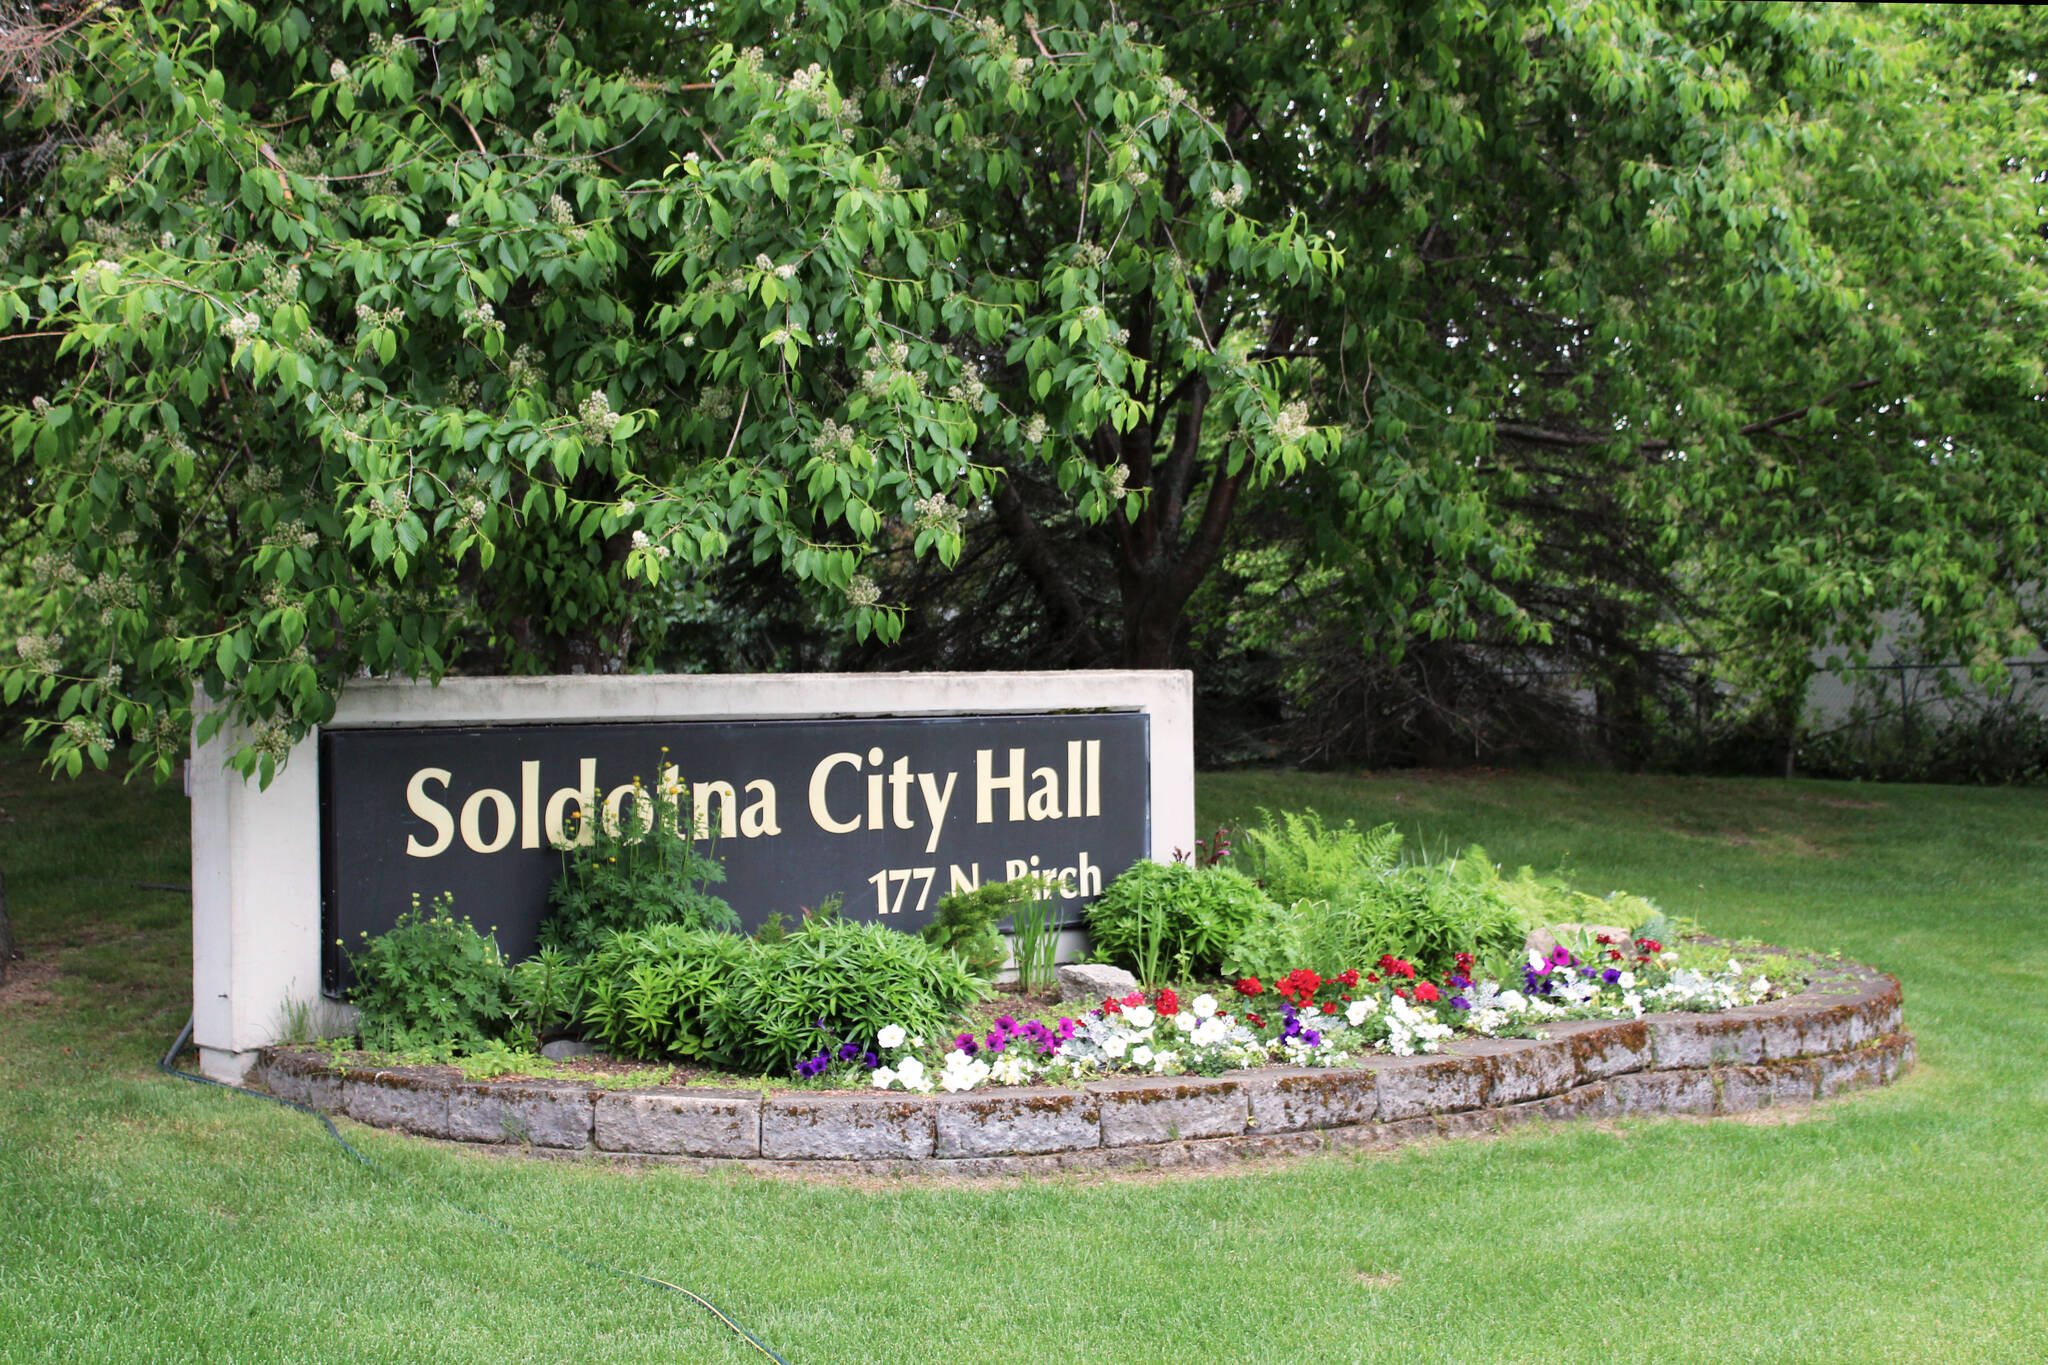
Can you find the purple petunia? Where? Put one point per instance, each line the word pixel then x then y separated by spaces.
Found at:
pixel 848 1051
pixel 1610 976
pixel 1311 1037
pixel 1459 1002
pixel 965 1043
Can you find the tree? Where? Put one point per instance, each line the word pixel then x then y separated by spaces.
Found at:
pixel 442 335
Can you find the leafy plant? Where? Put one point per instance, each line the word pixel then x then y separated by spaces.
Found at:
pixel 547 992
pixel 429 980
pixel 855 978
pixel 1352 898
pixel 642 871
pixel 1157 911
pixel 756 1006
pixel 966 922
pixel 1035 938
pixel 646 994
pixel 1270 945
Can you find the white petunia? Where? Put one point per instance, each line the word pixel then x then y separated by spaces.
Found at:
pixel 1204 1006
pixel 910 1071
pixel 891 1036
pixel 1355 1013
pixel 882 1078
pixel 1140 1016
pixel 1115 1045
pixel 1185 1021
pixel 1141 1056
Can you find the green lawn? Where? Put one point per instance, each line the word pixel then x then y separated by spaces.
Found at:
pixel 145 1219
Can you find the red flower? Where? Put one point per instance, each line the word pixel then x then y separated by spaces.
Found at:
pixel 1329 1007
pixel 1603 938
pixel 1373 977
pixel 1254 1021
pixel 1465 961
pixel 1111 1006
pixel 1133 999
pixel 1300 985
pixel 1166 1002
pixel 1398 991
pixel 1349 976
pixel 1426 992
pixel 1614 954
pixel 1249 985
pixel 1649 945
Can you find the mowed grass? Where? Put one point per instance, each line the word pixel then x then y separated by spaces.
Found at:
pixel 146 1219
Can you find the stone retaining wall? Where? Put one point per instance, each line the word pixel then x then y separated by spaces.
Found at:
pixel 1843 1032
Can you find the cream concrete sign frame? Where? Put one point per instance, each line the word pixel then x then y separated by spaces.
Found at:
pixel 256 854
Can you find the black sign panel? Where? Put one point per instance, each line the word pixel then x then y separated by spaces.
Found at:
pixel 889 814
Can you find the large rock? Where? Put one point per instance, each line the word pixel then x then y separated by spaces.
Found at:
pixel 1094 982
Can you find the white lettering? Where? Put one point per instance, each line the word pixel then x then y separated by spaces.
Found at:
pixel 899 794
pixel 428 809
pixel 935 803
pixel 529 803
pixel 1089 877
pixel 759 816
pixel 643 808
pixel 986 782
pixel 502 829
pixel 586 770
pixel 1045 797
pixel 819 811
pixel 701 796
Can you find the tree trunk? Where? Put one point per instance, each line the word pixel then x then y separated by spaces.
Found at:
pixel 7 949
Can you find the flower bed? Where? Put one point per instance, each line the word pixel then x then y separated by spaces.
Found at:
pixel 1842 1030
pixel 1302 1019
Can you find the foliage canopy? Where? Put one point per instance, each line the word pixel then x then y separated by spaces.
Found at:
pixel 396 337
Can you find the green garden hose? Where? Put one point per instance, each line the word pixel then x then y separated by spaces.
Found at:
pixel 169 1067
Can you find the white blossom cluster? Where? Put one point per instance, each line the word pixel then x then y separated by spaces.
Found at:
pixel 39 651
pixel 597 417
pixel 937 513
pixel 379 317
pixel 832 439
pixel 1291 426
pixel 862 592
pixel 485 317
pixel 87 733
pixel 1229 198
pixel 524 368
pixel 296 535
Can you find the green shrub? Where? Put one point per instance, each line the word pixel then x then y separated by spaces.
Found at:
pixel 547 995
pixel 1271 945
pixel 755 1006
pixel 854 977
pixel 430 981
pixel 1157 914
pixel 633 879
pixel 1352 898
pixel 646 994
pixel 966 923
pixel 1296 857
